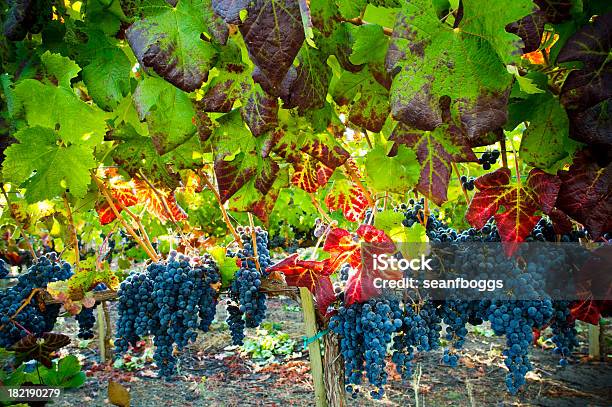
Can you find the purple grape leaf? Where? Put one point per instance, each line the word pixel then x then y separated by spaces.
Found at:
pixel 309 88
pixel 435 152
pixel 272 31
pixel 232 175
pixel 586 193
pixel 592 83
pixel 169 40
pixel 259 110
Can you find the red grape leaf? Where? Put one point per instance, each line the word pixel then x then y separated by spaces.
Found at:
pixel 435 152
pixel 594 285
pixel 562 224
pixel 587 311
pixel 329 153
pixel 585 193
pixel 311 274
pixel 310 174
pixel 345 247
pixel 161 203
pixel 122 192
pixel 40 348
pixel 349 197
pixel 519 203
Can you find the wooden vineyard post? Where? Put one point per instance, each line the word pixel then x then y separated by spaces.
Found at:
pixel 314 348
pixel 101 333
pixel 104 332
pixel 333 371
pixel 594 351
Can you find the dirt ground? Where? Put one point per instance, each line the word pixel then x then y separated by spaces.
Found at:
pixel 213 374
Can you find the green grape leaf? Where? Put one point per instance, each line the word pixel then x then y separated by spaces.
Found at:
pixel 106 71
pixel 76 121
pixel 272 31
pixel 435 152
pixel 46 167
pixel 370 44
pixel 169 40
pixel 525 83
pixel 62 68
pixel 65 373
pixel 136 153
pixel 466 66
pixel 592 83
pixel 392 174
pixel 168 111
pixel 368 99
pixel 546 141
pixel 351 8
pixel 227 265
pixel 105 15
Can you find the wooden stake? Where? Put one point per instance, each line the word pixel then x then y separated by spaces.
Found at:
pixel 73 233
pixel 101 334
pixel 314 348
pixel 333 371
pixel 594 349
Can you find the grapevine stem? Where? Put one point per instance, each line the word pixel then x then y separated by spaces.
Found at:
pixel 150 252
pixel 456 169
pixel 323 235
pixel 516 166
pixel 425 211
pixel 361 21
pixel 254 242
pixel 504 154
pixel 19 226
pixel 226 218
pixel 73 233
pixel 319 209
pixel 357 181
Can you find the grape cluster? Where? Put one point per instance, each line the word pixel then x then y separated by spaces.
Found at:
pixel 564 331
pixel 420 331
pixel 33 318
pixel 488 158
pixel 170 300
pixel 86 321
pixel 366 331
pixel 516 320
pixel 467 183
pixel 246 300
pixel 319 228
